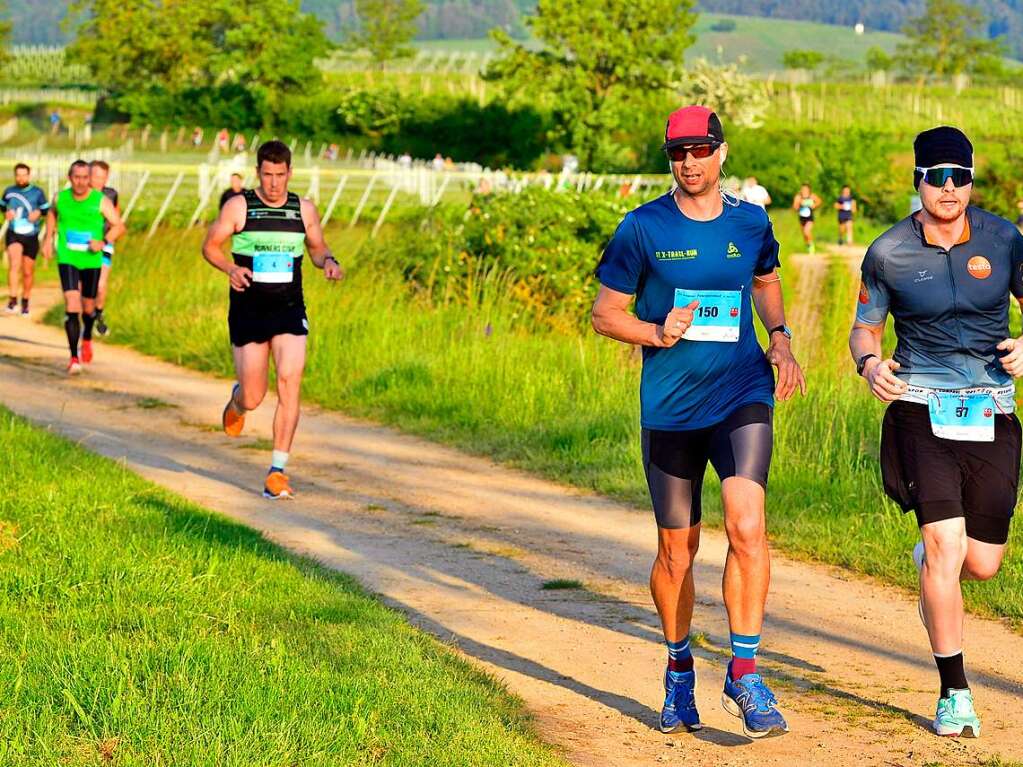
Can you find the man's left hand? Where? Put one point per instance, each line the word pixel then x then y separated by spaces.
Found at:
pixel 332 270
pixel 790 375
pixel 1013 361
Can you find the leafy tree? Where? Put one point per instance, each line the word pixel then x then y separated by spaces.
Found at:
pixel 879 60
pixel 5 33
pixel 802 59
pixel 141 49
pixel 600 65
pixel 946 39
pixel 386 27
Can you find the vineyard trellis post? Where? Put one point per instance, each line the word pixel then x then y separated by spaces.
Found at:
pixel 166 204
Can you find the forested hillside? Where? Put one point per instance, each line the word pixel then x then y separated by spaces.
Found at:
pixel 38 21
pixel 1005 16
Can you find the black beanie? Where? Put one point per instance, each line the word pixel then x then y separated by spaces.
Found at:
pixel 941 145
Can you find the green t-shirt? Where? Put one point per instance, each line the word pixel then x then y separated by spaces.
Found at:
pixel 78 222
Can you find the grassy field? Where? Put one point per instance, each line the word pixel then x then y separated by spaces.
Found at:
pixel 763 42
pixel 470 370
pixel 138 629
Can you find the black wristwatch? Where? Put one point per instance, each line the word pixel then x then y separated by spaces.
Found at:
pixel 331 258
pixel 862 363
pixel 785 329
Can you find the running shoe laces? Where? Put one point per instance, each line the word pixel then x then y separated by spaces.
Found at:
pixel 754 695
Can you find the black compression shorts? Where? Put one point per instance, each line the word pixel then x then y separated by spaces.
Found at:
pixel 29 243
pixel 73 278
pixel 254 326
pixel 945 478
pixel 675 461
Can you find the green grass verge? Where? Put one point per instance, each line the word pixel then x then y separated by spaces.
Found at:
pixel 469 370
pixel 138 629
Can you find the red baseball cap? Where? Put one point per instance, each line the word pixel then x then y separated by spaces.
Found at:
pixel 693 125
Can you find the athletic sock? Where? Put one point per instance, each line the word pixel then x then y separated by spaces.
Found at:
pixel 90 320
pixel 24 304
pixel 744 654
pixel 952 672
pixel 73 329
pixel 680 658
pixel 99 313
pixel 278 461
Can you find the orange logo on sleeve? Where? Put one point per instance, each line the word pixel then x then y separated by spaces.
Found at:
pixel 979 267
pixel 864 293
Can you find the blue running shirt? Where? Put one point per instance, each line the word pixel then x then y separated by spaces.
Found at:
pixel 657 249
pixel 23 200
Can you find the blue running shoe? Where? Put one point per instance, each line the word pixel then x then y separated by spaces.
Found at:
pixel 680 702
pixel 753 702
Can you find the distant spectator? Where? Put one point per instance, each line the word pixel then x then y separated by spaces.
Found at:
pixel 751 191
pixel 223 139
pixel 405 160
pixel 332 152
pixel 197 137
pixel 449 164
pixel 234 190
pixel 239 143
pixel 54 121
pixel 438 162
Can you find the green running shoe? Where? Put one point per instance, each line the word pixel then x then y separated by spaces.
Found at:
pixel 955 717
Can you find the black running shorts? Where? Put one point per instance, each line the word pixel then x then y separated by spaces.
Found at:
pixel 675 461
pixel 944 478
pixel 29 243
pixel 73 278
pixel 255 326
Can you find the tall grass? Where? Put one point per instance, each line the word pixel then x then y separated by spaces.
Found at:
pixel 471 371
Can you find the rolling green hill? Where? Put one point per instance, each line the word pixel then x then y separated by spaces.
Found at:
pixel 761 41
pixel 764 41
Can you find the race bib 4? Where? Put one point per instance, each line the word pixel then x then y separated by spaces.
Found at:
pixel 273 268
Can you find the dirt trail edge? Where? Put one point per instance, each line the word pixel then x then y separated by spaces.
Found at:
pixel 463 547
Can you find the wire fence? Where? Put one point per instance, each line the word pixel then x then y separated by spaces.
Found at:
pixel 155 194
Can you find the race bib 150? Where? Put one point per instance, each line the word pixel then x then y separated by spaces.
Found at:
pixel 717 317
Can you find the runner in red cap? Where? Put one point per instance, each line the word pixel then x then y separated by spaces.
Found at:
pixel 698 262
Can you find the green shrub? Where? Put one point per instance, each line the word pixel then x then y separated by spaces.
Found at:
pixel 544 244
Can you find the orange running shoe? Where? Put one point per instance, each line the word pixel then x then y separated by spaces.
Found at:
pixel 277 487
pixel 233 421
pixel 74 367
pixel 86 352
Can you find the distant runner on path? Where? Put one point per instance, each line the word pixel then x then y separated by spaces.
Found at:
pixel 950 439
pixel 698 263
pixel 23 204
pixel 805 203
pixel 99 173
pixel 82 221
pixel 269 228
pixel 846 207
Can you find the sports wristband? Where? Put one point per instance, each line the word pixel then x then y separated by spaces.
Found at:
pixel 862 363
pixel 783 329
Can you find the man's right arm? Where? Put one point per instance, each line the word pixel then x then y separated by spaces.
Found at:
pixel 227 224
pixel 51 231
pixel 867 334
pixel 622 266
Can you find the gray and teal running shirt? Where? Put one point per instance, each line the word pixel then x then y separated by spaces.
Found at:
pixel 271 245
pixel 951 308
pixel 24 200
